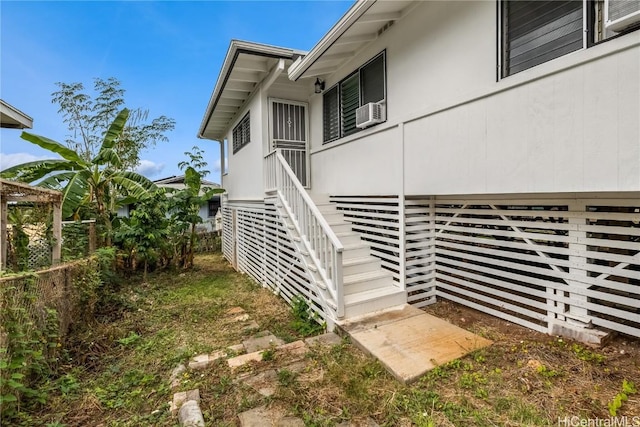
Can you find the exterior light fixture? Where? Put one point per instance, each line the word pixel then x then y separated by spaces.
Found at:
pixel 319 85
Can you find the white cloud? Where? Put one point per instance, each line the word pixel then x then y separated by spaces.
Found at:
pixel 149 168
pixel 9 160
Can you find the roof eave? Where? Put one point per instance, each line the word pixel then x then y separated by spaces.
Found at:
pixel 236 47
pixel 22 121
pixel 297 69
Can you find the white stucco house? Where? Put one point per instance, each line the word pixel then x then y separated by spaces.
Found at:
pixel 484 152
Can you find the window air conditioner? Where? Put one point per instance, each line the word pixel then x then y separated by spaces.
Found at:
pixel 369 114
pixel 621 14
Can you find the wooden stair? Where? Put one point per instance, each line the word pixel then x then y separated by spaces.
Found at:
pixel 368 288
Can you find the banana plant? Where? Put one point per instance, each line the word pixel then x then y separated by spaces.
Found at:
pixel 97 183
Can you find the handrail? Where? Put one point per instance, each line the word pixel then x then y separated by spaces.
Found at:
pixel 319 239
pixel 310 203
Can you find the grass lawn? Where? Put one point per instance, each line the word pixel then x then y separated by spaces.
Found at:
pixel 119 367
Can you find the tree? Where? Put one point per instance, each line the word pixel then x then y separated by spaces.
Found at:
pixel 88 119
pixel 98 182
pixel 185 204
pixel 145 233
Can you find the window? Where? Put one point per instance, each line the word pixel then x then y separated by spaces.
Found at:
pixel 242 133
pixel 339 103
pixel 214 205
pixel 534 32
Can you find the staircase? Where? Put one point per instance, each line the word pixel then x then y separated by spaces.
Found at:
pixel 349 281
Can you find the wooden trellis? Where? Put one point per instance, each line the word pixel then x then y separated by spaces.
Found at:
pixel 17 192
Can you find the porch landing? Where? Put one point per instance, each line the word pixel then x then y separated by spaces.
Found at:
pixel 409 342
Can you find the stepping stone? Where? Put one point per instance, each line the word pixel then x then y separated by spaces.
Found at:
pixel 328 339
pixel 190 415
pixel 238 348
pixel 236 362
pixel 174 379
pixel 262 343
pixel 235 311
pixel 180 398
pixel 264 383
pixel 296 348
pixel 295 367
pixel 201 361
pixel 251 326
pixel 259 417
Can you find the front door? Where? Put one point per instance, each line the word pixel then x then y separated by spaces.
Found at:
pixel 289 133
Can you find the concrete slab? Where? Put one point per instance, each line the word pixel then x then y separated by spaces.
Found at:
pixel 410 342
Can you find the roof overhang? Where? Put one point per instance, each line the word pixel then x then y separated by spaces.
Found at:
pixel 245 66
pixel 360 25
pixel 11 117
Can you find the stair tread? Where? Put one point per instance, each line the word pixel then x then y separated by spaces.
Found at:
pixel 369 294
pixel 369 275
pixel 359 260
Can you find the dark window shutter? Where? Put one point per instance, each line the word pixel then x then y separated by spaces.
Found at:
pixel 331 114
pixel 372 80
pixel 538 31
pixel 349 102
pixel 242 133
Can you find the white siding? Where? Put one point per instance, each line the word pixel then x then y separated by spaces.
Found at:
pixel 244 180
pixel 569 125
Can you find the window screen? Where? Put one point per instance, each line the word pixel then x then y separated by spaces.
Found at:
pixel 242 133
pixel 535 32
pixel 331 115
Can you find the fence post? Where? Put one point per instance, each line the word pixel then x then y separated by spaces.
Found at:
pixel 3 233
pixel 57 233
pixel 92 237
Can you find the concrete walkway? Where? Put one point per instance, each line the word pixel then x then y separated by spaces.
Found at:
pixel 409 342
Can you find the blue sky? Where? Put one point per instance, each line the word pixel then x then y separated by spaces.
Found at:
pixel 166 54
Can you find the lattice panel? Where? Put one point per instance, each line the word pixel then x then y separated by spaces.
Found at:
pixel 532 261
pixel 228 240
pixel 265 252
pixel 420 263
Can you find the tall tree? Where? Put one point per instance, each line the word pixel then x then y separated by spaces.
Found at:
pixel 88 119
pixel 98 182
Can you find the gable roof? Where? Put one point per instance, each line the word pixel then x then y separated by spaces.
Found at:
pixel 245 66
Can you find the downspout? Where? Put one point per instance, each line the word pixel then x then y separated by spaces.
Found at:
pixel 401 214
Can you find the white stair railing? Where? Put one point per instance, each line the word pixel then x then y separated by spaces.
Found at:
pixel 321 243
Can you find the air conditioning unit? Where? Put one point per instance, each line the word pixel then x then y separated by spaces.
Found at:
pixel 370 114
pixel 621 14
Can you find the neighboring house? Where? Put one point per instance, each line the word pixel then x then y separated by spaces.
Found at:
pixel 209 212
pixel 482 152
pixel 12 118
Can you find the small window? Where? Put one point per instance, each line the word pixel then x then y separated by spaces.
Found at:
pixel 534 32
pixel 241 133
pixel 225 157
pixel 339 103
pixel 214 205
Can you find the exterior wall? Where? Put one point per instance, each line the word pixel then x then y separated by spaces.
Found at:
pixel 244 178
pixel 570 124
